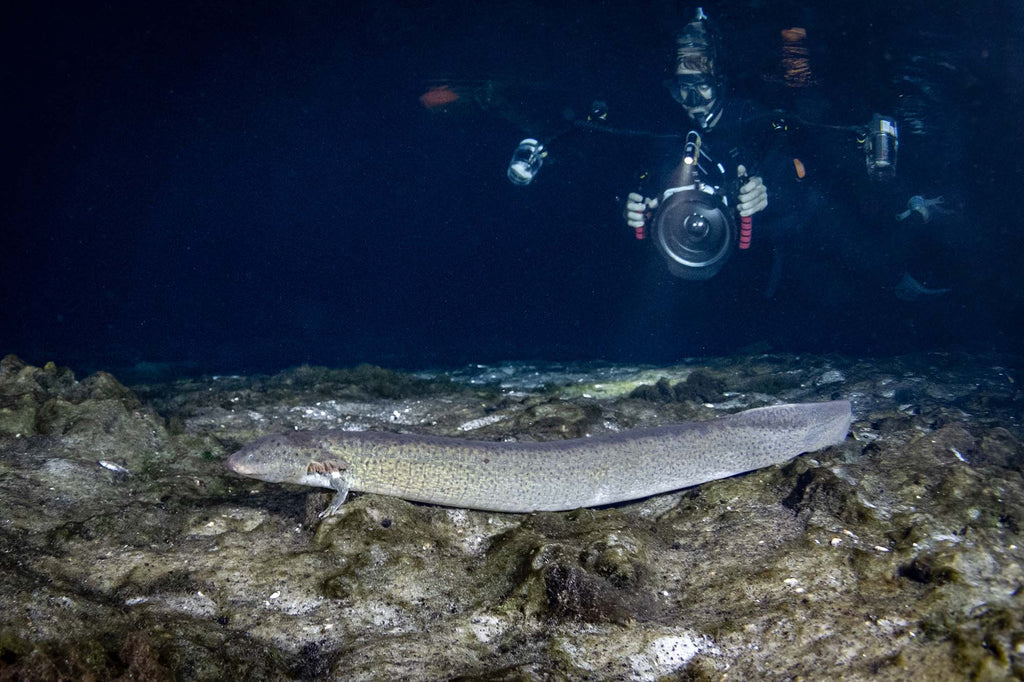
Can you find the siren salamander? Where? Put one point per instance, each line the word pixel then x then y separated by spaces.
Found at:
pixel 548 476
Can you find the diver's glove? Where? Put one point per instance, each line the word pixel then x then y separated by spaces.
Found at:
pixel 753 197
pixel 637 208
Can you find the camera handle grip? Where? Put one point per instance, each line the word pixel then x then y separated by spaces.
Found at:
pixel 642 178
pixel 746 222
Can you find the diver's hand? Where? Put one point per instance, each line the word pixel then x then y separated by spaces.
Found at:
pixel 636 209
pixel 753 196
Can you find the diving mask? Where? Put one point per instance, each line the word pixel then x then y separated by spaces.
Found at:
pixel 695 90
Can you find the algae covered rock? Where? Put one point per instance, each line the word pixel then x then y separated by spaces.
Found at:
pixel 130 552
pixel 699 386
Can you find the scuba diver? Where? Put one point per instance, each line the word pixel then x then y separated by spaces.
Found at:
pixel 731 148
pixel 708 197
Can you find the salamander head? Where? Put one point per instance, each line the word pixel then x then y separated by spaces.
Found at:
pixel 298 457
pixel 275 458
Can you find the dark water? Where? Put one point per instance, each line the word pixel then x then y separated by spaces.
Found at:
pixel 249 186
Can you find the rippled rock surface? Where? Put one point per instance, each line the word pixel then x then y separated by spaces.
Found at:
pixel 129 551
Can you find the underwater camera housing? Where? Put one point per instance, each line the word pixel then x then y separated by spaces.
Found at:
pixel 694 228
pixel 695 231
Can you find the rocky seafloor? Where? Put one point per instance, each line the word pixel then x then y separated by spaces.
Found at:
pixel 130 552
